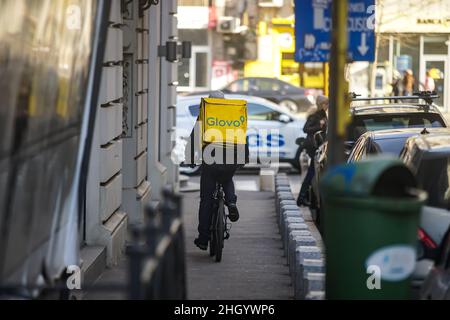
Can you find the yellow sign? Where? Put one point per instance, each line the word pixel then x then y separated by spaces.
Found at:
pixel 224 121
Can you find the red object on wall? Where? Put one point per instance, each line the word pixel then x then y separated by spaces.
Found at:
pixel 212 23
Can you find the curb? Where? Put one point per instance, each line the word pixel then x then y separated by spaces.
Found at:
pixel 305 258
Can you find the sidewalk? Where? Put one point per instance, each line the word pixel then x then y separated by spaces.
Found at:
pixel 253 266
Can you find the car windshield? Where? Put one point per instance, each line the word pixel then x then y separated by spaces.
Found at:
pixel 362 124
pixel 391 146
pixel 433 177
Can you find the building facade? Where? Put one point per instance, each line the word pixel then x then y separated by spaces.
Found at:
pixel 414 35
pixel 135 125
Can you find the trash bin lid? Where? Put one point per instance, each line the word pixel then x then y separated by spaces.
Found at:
pixel 377 176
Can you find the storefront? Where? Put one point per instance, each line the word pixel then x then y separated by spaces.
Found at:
pixel 193 26
pixel 416 40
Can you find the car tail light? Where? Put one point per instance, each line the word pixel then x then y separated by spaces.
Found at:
pixel 425 239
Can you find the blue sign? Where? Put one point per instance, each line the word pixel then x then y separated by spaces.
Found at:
pixel 313 27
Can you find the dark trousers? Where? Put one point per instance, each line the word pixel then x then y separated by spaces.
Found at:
pixel 307 181
pixel 212 174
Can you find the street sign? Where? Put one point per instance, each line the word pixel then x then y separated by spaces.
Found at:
pixel 313 26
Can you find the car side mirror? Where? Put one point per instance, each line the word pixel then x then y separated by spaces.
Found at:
pixel 284 118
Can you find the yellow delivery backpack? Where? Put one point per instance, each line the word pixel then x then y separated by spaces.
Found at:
pixel 223 121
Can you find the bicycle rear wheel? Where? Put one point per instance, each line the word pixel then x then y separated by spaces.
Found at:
pixel 220 230
pixel 212 242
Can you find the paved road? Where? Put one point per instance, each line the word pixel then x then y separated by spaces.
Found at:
pixel 252 266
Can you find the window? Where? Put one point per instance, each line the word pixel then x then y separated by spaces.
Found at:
pixel 358 151
pixel 239 86
pixel 363 124
pixel 433 177
pixel 388 146
pixel 260 112
pixel 267 85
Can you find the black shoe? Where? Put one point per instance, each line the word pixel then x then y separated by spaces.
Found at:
pixel 302 201
pixel 201 245
pixel 233 212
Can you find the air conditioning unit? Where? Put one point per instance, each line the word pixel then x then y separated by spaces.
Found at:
pixel 228 25
pixel 271 3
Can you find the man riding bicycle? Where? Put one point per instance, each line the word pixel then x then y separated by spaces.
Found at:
pixel 217 167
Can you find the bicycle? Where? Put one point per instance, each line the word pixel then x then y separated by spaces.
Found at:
pixel 219 226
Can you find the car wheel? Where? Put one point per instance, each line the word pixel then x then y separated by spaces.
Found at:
pixel 289 105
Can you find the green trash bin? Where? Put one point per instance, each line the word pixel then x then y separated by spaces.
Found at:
pixel 372 210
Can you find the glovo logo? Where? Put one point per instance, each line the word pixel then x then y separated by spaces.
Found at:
pixel 225 123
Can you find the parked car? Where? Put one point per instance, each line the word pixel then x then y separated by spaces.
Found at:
pixel 263 116
pixel 366 118
pixel 428 156
pixel 369 144
pixel 385 142
pixel 292 98
pixel 437 283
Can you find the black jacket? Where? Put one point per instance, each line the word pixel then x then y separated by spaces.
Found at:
pixel 312 126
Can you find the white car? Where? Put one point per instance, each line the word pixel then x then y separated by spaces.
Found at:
pixel 271 129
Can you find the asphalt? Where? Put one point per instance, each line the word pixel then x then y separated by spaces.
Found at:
pixel 253 266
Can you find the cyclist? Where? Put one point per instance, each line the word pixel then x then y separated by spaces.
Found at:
pixel 219 171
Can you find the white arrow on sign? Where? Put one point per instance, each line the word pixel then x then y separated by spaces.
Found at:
pixel 363 48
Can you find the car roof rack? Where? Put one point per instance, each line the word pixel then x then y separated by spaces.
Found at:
pixel 427 96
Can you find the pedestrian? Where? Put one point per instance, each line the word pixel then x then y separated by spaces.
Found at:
pixel 429 84
pixel 396 84
pixel 408 83
pixel 316 122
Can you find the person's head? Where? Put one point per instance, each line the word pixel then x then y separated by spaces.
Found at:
pixel 322 103
pixel 217 95
pixel 396 75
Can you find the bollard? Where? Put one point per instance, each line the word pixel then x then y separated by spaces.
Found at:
pixel 285 231
pixel 279 206
pixel 296 233
pixel 315 295
pixel 307 266
pixel 286 196
pixel 314 282
pixel 288 211
pixel 298 241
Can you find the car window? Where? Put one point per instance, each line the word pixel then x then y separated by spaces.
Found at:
pixel 387 146
pixel 260 112
pixel 358 150
pixel 362 124
pixel 433 176
pixel 267 85
pixel 242 85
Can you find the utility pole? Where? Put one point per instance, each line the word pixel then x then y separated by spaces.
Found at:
pixel 338 111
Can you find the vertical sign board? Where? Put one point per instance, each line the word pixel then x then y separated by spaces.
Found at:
pixel 313 30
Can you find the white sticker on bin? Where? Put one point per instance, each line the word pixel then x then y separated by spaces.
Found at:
pixel 396 262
